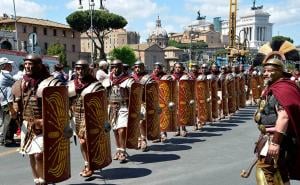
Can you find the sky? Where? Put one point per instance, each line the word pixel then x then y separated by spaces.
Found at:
pixel 174 14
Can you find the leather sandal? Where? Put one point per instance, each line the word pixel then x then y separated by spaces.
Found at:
pixel 88 173
pixel 83 170
pixel 177 133
pixel 144 146
pixel 123 157
pixel 184 133
pixel 163 138
pixel 116 156
pixel 139 143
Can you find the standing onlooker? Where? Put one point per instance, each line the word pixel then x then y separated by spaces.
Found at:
pixel 102 72
pixel 59 73
pixel 6 111
pixel 20 73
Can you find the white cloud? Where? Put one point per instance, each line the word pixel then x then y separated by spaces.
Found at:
pixel 32 9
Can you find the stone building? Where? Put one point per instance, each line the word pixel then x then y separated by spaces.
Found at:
pixel 114 39
pixel 254 27
pixel 159 35
pixel 148 54
pixel 36 35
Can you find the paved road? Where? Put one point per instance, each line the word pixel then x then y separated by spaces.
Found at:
pixel 213 156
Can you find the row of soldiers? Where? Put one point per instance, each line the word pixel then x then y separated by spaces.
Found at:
pixel 140 106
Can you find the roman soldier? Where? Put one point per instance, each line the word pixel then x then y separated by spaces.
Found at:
pixel 278 148
pixel 28 98
pixel 141 76
pixel 158 71
pixel 118 86
pixel 83 84
pixel 177 75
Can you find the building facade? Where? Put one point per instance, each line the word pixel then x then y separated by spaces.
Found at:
pixel 159 35
pixel 7 40
pixel 148 54
pixel 254 28
pixel 37 35
pixel 113 39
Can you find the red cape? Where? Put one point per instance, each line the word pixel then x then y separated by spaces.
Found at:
pixel 288 95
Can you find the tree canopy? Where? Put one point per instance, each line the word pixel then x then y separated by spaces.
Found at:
pixel 58 50
pixel 103 23
pixel 125 54
pixel 193 45
pixel 283 38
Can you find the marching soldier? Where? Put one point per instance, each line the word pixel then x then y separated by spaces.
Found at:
pixel 194 75
pixel 177 74
pixel 141 76
pixel 118 86
pixel 230 82
pixel 203 96
pixel 83 84
pixel 223 93
pixel 157 74
pixel 28 99
pixel 278 147
pixel 158 71
pixel 235 72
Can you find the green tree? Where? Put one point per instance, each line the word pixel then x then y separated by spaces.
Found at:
pixel 283 38
pixel 125 54
pixel 103 23
pixel 193 45
pixel 58 50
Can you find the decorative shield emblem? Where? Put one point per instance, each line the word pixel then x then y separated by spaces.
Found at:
pixel 223 84
pixel 152 110
pixel 203 100
pixel 242 90
pixel 186 103
pixel 167 103
pixel 255 87
pixel 56 147
pixel 98 136
pixel 237 92
pixel 231 93
pixel 134 115
pixel 214 98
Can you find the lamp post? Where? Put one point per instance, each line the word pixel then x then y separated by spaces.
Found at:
pixel 91 9
pixel 17 39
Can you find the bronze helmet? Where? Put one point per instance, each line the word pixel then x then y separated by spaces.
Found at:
pixel 116 62
pixel 138 63
pixel 81 62
pixel 33 57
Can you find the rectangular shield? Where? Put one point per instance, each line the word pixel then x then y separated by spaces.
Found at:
pixel 56 147
pixel 152 110
pixel 167 104
pixel 186 102
pixel 202 96
pixel 134 115
pixel 255 87
pixel 98 136
pixel 214 98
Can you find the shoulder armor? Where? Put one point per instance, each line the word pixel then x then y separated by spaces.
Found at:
pixel 167 77
pixel 48 82
pixel 106 83
pixel 201 77
pixel 71 88
pixel 185 77
pixel 93 87
pixel 127 83
pixel 146 79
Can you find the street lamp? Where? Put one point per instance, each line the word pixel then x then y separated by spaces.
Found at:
pixel 17 39
pixel 91 9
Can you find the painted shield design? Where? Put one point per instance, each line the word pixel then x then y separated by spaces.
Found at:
pixel 152 110
pixel 56 146
pixel 203 100
pixel 97 130
pixel 186 103
pixel 134 115
pixel 168 105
